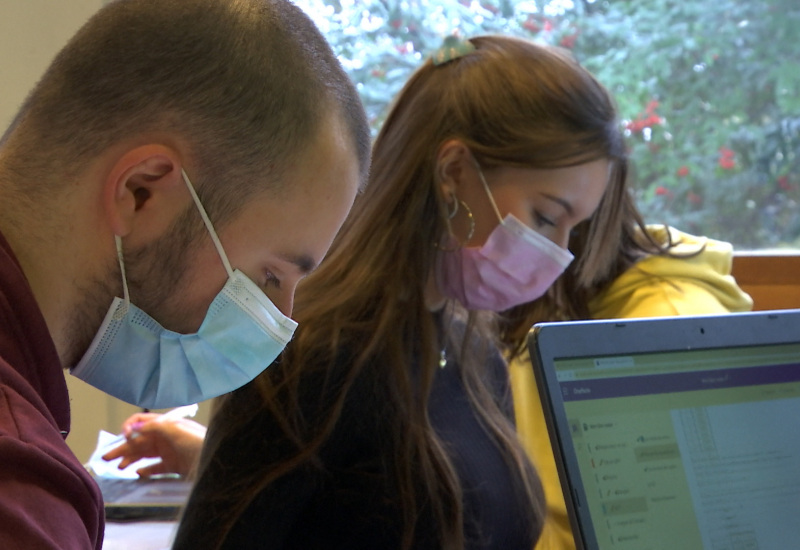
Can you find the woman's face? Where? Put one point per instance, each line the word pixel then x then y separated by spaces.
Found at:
pixel 550 201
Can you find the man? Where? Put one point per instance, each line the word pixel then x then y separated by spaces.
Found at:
pixel 176 172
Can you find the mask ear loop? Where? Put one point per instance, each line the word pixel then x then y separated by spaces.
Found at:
pixel 125 295
pixel 209 226
pixel 488 192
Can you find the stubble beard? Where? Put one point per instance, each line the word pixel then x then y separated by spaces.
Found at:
pixel 88 315
pixel 154 274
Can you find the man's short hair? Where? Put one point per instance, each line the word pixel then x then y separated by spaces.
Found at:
pixel 246 84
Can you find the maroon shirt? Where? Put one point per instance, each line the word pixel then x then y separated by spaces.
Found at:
pixel 47 498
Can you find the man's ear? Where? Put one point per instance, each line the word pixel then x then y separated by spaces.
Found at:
pixel 452 163
pixel 144 189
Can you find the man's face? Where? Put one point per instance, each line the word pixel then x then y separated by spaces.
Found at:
pixel 276 240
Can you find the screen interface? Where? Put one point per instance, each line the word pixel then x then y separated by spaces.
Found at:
pixel 691 449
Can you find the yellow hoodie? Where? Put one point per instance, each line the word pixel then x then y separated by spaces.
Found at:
pixel 656 286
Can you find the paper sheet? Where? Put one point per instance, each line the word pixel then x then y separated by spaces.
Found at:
pixel 102 468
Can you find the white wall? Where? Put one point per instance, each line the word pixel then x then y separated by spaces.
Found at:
pixel 31 33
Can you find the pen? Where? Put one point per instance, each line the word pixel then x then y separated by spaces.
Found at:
pixel 178 412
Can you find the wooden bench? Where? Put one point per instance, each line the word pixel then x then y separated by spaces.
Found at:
pixel 771 278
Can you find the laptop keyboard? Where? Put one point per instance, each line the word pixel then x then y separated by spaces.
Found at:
pixel 113 488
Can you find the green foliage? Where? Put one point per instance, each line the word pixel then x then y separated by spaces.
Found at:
pixel 708 90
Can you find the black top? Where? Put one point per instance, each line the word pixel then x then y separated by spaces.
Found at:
pixel 345 500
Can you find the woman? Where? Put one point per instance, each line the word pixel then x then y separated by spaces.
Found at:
pixel 388 422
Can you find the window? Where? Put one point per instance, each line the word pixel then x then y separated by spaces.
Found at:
pixel 708 90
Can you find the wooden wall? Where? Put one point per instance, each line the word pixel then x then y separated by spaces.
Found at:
pixel 772 279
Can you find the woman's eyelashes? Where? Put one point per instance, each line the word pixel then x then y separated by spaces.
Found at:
pixel 541 220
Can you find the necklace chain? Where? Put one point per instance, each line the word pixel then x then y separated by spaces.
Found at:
pixel 447 320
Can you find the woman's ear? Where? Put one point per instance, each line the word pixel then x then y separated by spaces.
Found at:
pixel 452 162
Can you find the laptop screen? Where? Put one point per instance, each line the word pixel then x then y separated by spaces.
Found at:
pixel 693 443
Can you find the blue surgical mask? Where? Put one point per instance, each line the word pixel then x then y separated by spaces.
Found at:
pixel 135 359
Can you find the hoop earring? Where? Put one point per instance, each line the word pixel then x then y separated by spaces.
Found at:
pixel 450 216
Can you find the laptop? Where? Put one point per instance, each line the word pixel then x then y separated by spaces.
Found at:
pixel 680 432
pixel 154 499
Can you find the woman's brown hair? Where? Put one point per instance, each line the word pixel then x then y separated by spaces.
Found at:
pixel 513 103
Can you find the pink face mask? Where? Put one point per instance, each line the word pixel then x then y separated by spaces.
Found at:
pixel 514 266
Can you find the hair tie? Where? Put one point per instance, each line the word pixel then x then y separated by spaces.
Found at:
pixel 452 48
